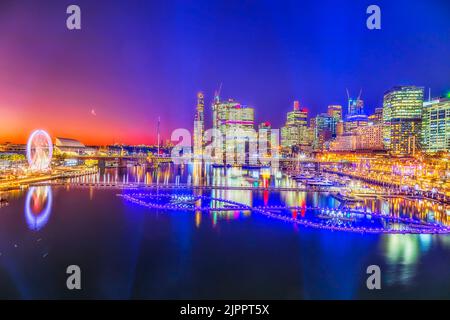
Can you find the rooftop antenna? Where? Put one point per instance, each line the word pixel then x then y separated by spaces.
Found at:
pixel 348 94
pixel 217 93
pixel 220 89
pixel 360 92
pixel 429 94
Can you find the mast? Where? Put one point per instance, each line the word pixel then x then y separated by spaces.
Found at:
pixel 159 120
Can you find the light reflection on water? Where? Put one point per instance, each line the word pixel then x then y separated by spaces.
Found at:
pixel 38 206
pixel 206 175
pixel 404 259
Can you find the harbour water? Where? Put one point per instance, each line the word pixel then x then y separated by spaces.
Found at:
pixel 126 250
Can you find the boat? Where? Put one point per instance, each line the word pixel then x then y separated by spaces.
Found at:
pixel 219 165
pixel 302 177
pixel 319 183
pixel 343 198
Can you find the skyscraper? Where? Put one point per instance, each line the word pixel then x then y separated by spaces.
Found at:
pixel 294 133
pixel 402 113
pixel 236 123
pixel 264 137
pixel 199 125
pixel 436 125
pixel 355 116
pixel 335 111
pixel 376 117
pixel 324 126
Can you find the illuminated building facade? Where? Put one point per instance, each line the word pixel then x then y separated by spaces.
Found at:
pixel 295 131
pixel 323 131
pixel 436 125
pixel 346 142
pixel 355 116
pixel 365 138
pixel 199 125
pixel 264 136
pixel 69 146
pixel 236 123
pixel 377 117
pixel 340 128
pixel 402 113
pixel 335 111
pixel 231 115
pixel 369 137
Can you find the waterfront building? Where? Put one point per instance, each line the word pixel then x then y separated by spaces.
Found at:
pixel 13 148
pixel 231 115
pixel 436 125
pixel 264 136
pixel 69 146
pixel 356 116
pixel 342 143
pixel 369 137
pixel 295 132
pixel 340 128
pixel 335 111
pixel 364 138
pixel 324 127
pixel 236 123
pixel 376 117
pixel 402 117
pixel 199 125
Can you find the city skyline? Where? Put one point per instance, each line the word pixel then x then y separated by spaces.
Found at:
pixel 231 149
pixel 209 114
pixel 315 61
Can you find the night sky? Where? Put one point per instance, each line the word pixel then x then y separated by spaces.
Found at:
pixel 136 60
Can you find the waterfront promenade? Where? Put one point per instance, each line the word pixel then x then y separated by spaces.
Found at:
pixel 14 184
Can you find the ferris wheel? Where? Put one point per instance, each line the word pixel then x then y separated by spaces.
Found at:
pixel 39 150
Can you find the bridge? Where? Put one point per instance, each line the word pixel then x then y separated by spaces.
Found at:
pixel 122 159
pixel 149 186
pixel 328 218
pixel 142 158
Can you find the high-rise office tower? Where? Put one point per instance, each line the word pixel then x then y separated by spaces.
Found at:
pixel 294 133
pixel 355 116
pixel 335 111
pixel 324 126
pixel 264 137
pixel 199 124
pixel 436 125
pixel 402 117
pixel 376 117
pixel 355 106
pixel 236 123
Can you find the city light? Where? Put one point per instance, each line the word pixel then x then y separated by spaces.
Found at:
pixel 39 150
pixel 219 150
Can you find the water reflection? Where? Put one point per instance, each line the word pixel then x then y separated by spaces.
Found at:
pixel 38 207
pixel 316 263
pixel 202 174
pixel 403 253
